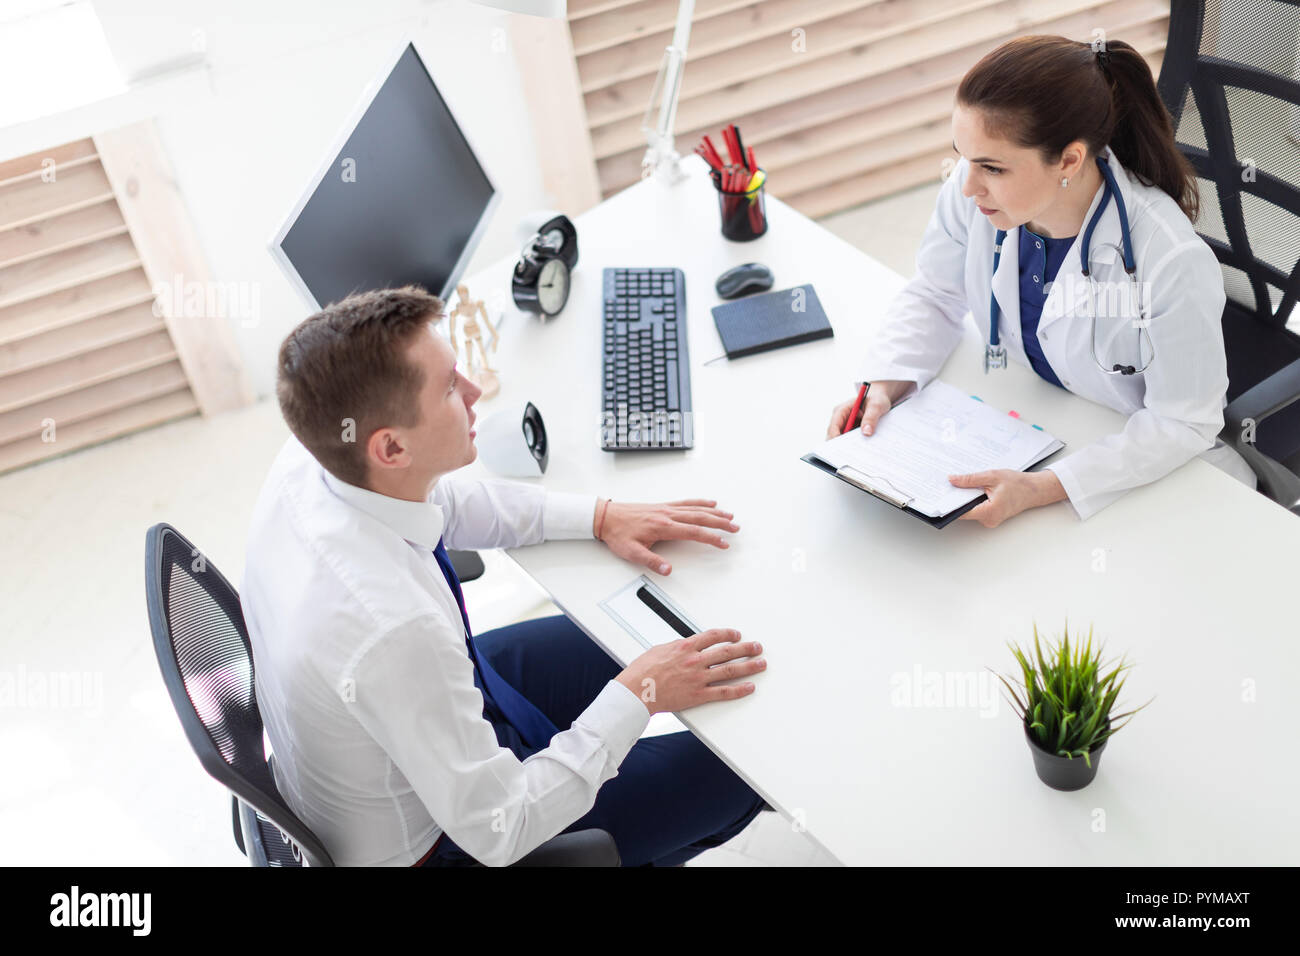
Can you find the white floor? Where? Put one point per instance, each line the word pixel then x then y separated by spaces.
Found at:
pixel 102 774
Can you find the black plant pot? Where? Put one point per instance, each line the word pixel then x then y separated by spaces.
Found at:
pixel 1063 773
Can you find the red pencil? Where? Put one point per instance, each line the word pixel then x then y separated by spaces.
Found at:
pixel 704 154
pixel 708 144
pixel 732 152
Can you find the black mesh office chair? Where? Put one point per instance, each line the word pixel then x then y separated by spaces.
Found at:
pixel 207 664
pixel 1231 80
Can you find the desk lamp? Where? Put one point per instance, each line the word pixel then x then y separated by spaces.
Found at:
pixel 661 156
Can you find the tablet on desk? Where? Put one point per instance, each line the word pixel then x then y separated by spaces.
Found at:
pixel 643 610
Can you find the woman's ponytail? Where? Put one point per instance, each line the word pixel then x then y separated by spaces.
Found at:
pixel 1143 137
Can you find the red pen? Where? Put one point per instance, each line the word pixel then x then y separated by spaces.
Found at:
pixel 857 403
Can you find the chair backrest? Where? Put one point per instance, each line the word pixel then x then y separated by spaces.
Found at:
pixel 206 659
pixel 1231 81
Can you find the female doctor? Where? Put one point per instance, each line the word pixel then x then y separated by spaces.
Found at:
pixel 1059 144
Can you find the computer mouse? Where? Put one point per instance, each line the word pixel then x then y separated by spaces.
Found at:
pixel 743 279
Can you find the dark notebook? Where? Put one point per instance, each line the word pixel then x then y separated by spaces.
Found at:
pixel 772 320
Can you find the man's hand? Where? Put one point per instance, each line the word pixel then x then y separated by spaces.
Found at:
pixel 1010 492
pixel 681 674
pixel 630 530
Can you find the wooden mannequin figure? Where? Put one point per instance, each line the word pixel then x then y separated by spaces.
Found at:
pixel 485 377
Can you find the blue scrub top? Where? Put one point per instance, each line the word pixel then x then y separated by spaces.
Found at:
pixel 1040 260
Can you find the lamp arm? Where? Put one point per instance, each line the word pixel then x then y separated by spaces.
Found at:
pixel 661 155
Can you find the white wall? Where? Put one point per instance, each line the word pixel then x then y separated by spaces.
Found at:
pixel 248 130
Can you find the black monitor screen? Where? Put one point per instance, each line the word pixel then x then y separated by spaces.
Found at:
pixel 401 201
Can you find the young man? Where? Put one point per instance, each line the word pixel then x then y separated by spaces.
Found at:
pixel 400 737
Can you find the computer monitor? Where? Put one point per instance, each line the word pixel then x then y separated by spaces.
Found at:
pixel 402 199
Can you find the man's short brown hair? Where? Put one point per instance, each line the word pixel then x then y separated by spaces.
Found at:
pixel 343 373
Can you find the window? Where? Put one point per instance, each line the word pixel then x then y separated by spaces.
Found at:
pixel 53 57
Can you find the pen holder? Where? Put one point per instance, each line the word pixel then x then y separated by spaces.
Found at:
pixel 744 213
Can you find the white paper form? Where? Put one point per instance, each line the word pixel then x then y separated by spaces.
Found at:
pixel 938 432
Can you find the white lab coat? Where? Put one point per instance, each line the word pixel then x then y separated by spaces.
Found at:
pixel 1175 407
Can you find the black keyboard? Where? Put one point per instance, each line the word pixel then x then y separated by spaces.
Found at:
pixel 646 386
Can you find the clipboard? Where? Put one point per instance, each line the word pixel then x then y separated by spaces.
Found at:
pixel 880 488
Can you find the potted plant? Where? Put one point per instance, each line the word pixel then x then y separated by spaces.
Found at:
pixel 1064 699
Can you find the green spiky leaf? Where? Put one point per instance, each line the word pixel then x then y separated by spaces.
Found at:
pixel 1066 694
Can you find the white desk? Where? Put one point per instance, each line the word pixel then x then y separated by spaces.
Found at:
pixel 1193 577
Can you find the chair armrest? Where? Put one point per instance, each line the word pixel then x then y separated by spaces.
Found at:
pixel 1271 395
pixel 1256 404
pixel 467 564
pixel 580 848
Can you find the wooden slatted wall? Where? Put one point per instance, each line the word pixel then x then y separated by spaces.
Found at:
pixel 843 100
pixel 84 353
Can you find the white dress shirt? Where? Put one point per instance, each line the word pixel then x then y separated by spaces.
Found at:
pixel 365 683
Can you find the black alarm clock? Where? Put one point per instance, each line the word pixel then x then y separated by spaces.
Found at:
pixel 541 278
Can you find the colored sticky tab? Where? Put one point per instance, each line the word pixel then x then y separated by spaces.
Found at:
pixel 1013 413
pixel 977 398
pixel 1039 427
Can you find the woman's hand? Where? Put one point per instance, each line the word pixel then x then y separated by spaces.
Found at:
pixel 630 530
pixel 881 397
pixel 1010 492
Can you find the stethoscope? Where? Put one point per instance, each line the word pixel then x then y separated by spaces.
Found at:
pixel 995 354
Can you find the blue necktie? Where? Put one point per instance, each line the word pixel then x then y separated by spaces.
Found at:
pixel 533 726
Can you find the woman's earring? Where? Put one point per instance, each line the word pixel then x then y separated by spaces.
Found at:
pixel 1064 182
